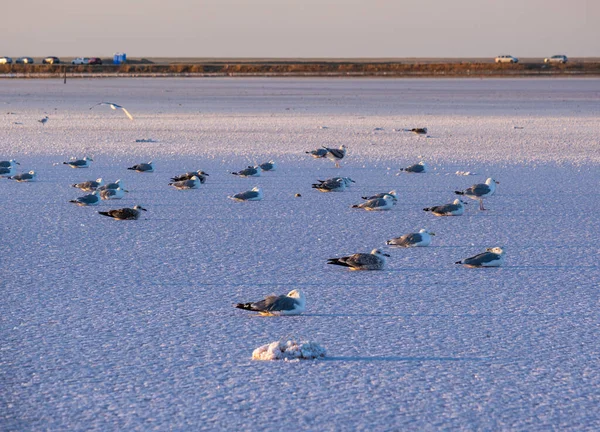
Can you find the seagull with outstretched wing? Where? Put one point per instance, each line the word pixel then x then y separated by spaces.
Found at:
pixel 114 106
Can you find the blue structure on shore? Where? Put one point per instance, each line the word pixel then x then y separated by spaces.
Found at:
pixel 119 58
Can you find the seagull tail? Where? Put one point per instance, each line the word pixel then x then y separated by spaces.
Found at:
pixel 105 214
pixel 245 306
pixel 458 262
pixel 459 192
pixel 428 209
pixel 356 206
pixel 336 261
pixel 130 168
pixel 235 173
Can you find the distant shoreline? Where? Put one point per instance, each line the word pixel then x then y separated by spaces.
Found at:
pixel 306 68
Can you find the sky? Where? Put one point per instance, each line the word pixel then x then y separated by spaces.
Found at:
pixel 301 28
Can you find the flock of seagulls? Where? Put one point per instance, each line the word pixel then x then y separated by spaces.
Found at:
pixel 294 302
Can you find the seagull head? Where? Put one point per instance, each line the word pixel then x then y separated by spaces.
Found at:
pixel 139 207
pixel 497 250
pixel 490 180
pixel 379 253
pixel 424 231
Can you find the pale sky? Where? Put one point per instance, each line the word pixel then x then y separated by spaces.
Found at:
pixel 301 28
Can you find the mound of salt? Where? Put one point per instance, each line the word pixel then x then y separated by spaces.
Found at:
pixel 289 350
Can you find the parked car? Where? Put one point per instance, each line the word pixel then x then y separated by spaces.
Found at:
pixel 506 59
pixel 24 60
pixel 559 58
pixel 51 60
pixel 81 61
pixel 95 61
pixel 5 60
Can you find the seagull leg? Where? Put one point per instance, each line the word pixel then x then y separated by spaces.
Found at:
pixel 337 165
pixel 481 205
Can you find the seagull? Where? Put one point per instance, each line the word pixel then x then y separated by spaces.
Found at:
pixel 480 191
pixel 294 303
pixel 114 185
pixel 268 166
pixel 188 176
pixel 455 209
pixel 7 171
pixel 25 177
pixel 80 163
pixel 112 194
pixel 125 213
pixel 347 180
pixel 87 200
pixel 331 185
pixel 418 131
pixel 392 194
pixel 422 238
pixel 89 186
pixel 421 167
pixel 114 106
pixel 8 163
pixel 192 183
pixel 44 120
pixel 255 194
pixel 143 167
pixel 377 204
pixel 251 171
pixel 336 155
pixel 318 153
pixel 376 260
pixel 492 257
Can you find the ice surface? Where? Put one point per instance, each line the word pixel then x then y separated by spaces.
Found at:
pixel 129 325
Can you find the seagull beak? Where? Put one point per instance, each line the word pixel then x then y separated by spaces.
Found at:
pixel 431 233
pixel 142 208
pixel 387 255
pixel 497 182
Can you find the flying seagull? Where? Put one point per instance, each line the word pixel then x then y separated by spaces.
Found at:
pixel 480 191
pixel 125 213
pixel 114 106
pixel 422 238
pixel 376 260
pixel 492 257
pixel 456 208
pixel 293 303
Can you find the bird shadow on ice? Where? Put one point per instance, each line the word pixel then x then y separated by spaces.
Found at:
pixel 405 359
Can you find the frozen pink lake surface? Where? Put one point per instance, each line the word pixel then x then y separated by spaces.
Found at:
pixel 130 325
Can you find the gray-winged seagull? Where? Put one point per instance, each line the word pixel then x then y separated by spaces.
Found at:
pixel 79 163
pixel 255 194
pixel 376 260
pixel 492 257
pixel 251 171
pixel 90 185
pixel 7 171
pixel 114 106
pixel 268 166
pixel 294 303
pixel 422 238
pixel 87 200
pixel 421 167
pixel 8 163
pixel 125 213
pixel 192 183
pixel 188 176
pixel 143 167
pixel 377 204
pixel 392 194
pixel 25 177
pixel 109 194
pixel 480 191
pixel 336 155
pixel 457 208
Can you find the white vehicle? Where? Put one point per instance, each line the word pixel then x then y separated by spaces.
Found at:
pixel 5 60
pixel 81 61
pixel 506 59
pixel 559 58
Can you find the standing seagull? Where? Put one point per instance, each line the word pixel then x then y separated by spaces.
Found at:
pixel 293 303
pixel 44 120
pixel 422 238
pixel 79 163
pixel 376 260
pixel 125 213
pixel 492 257
pixel 143 167
pixel 336 155
pixel 114 106
pixel 480 191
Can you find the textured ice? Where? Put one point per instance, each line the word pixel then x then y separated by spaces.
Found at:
pixel 128 325
pixel 290 350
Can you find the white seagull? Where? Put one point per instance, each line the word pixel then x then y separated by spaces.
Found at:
pixel 114 106
pixel 480 191
pixel 294 303
pixel 377 204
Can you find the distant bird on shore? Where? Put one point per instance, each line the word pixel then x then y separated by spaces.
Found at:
pixel 8 163
pixel 125 213
pixel 318 153
pixel 418 131
pixel 87 200
pixel 188 176
pixel 421 167
pixel 143 167
pixel 251 171
pixel 268 166
pixel 7 171
pixel 114 185
pixel 25 177
pixel 456 208
pixel 90 185
pixel 337 184
pixel 422 238
pixel 109 194
pixel 480 191
pixel 376 260
pixel 192 183
pixel 255 194
pixel 377 204
pixel 79 163
pixel 114 106
pixel 294 303
pixel 44 120
pixel 393 194
pixel 336 155
pixel 492 257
